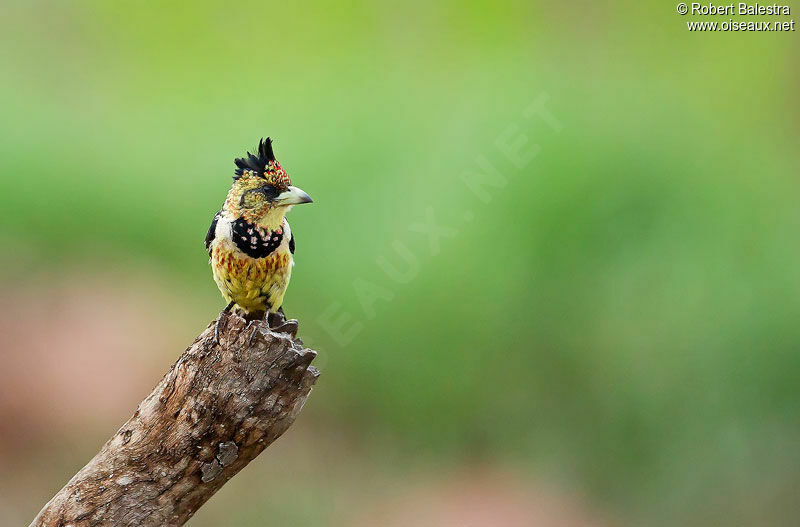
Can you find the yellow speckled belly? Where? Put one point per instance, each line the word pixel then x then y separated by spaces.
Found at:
pixel 255 284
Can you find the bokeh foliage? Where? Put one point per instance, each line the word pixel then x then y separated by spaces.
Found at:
pixel 622 314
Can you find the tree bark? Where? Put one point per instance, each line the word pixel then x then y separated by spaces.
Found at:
pixel 235 390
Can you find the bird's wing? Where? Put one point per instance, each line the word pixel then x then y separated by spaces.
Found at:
pixel 212 232
pixel 291 244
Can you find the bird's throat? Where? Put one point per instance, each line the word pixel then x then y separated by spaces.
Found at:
pixel 272 219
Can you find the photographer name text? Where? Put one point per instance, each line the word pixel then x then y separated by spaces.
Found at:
pixel 739 9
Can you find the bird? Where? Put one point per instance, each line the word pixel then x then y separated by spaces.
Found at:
pixel 250 244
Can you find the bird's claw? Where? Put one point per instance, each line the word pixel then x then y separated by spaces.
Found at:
pixel 222 315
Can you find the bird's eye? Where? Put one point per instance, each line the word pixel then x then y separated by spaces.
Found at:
pixel 270 192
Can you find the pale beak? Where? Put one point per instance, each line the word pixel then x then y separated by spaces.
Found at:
pixel 292 196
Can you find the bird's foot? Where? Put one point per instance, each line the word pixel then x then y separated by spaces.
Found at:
pixel 223 314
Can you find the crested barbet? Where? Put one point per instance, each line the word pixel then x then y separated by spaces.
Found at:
pixel 249 243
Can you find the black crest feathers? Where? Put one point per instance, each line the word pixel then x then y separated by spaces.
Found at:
pixel 255 163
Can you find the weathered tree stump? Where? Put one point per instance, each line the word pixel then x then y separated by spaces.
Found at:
pixel 235 390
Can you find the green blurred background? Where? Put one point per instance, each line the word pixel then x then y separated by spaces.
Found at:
pixel 607 334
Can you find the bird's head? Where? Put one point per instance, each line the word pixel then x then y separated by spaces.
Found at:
pixel 262 192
